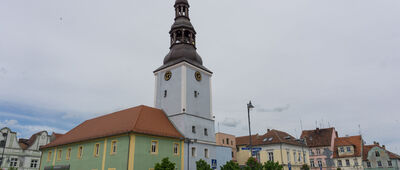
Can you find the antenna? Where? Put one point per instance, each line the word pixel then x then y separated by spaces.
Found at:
pixel 359 129
pixel 301 125
pixel 218 128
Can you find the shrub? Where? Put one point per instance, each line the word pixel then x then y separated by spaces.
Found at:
pixel 202 165
pixel 230 166
pixel 252 164
pixel 305 167
pixel 165 165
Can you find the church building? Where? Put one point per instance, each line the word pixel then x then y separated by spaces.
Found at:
pixel 180 126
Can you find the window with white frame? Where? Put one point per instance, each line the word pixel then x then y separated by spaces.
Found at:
pixel 348 149
pixel 13 162
pixel 377 154
pixel 271 156
pixel 34 163
pixel 206 155
pixel 369 164
pixel 312 163
pixel 339 163
pixel 294 156
pixel 319 163
pixel 318 151
pixel 347 162
pixel 390 163
pixel 341 149
pixel 299 159
pixel 379 163
pixel 288 156
pixel 355 162
pixel 311 152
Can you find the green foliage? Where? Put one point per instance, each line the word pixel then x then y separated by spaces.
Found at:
pixel 230 166
pixel 253 164
pixel 12 168
pixel 270 165
pixel 338 169
pixel 305 167
pixel 165 165
pixel 202 165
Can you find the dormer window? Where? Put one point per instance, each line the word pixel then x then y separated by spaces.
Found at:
pixel 348 149
pixel 377 154
pixel 341 149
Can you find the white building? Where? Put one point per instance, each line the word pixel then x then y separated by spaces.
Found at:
pixel 23 154
pixel 183 91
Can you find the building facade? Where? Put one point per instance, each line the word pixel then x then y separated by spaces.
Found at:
pixel 321 143
pixel 276 146
pixel 135 138
pixel 347 153
pixel 23 154
pixel 377 157
pixel 227 140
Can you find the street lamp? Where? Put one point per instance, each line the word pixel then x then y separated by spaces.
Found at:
pixel 250 106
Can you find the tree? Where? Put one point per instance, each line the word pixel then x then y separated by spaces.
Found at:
pixel 165 165
pixel 252 164
pixel 230 166
pixel 338 169
pixel 202 165
pixel 305 167
pixel 270 165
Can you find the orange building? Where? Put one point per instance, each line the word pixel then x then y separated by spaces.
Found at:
pixel 227 140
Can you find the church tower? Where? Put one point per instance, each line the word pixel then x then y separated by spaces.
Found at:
pixel 183 90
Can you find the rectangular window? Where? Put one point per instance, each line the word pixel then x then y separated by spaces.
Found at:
pixel 294 156
pixel 348 149
pixel 194 152
pixel 355 162
pixel 205 132
pixel 227 141
pixel 377 154
pixel 312 163
pixel 13 162
pixel 113 147
pixel 176 148
pixel 318 151
pixel 369 164
pixel 347 162
pixel 206 153
pixel 304 157
pixel 1 161
pixel 288 156
pixel 223 141
pixel 59 155
pixel 96 150
pixel 154 147
pixel 233 154
pixel 80 152
pixel 193 129
pixel 271 156
pixel 68 156
pixel 49 156
pixel 299 157
pixel 341 149
pixel 34 163
pixel 339 163
pixel 379 163
pixel 319 163
pixel 390 163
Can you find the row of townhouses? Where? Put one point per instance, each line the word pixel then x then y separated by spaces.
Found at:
pixel 319 149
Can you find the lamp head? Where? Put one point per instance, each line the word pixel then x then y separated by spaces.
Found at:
pixel 249 105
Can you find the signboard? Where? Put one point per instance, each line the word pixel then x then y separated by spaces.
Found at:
pixel 254 149
pixel 213 163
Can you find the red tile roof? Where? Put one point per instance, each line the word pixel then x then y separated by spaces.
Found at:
pixel 26 143
pixel 318 137
pixel 140 119
pixel 271 137
pixel 367 148
pixel 355 141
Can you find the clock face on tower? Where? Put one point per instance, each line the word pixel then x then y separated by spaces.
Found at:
pixel 167 75
pixel 197 75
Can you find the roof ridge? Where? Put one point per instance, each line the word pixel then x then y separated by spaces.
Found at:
pixel 137 118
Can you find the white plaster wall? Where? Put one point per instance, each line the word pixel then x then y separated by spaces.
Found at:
pixel 172 103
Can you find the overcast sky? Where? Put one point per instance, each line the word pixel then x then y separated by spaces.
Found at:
pixel 322 63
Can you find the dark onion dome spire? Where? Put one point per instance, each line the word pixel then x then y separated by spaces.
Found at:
pixel 183 39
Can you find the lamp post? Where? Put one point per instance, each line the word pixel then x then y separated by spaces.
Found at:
pixel 5 135
pixel 249 106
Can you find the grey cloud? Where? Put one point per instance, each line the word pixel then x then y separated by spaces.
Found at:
pixel 276 109
pixel 230 122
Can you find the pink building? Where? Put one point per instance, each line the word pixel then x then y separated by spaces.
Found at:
pixel 321 143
